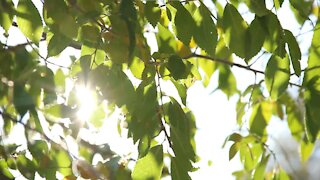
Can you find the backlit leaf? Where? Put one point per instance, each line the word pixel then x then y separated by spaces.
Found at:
pixel 303 8
pixel 233 150
pixel 278 3
pixel 182 90
pixel 166 41
pixel 295 53
pixel 181 135
pixel 306 150
pixel 255 39
pixel 257 6
pixel 152 12
pixel 277 75
pixel 260 170
pixel 29 20
pixel 312 83
pixel 184 23
pixel 272 30
pixel 260 117
pixel 227 81
pixel 128 13
pixel 22 101
pixel 178 170
pixel 6 15
pixel 234 30
pixel 89 34
pixel 205 32
pixel 177 68
pixel 150 166
pixel 57 44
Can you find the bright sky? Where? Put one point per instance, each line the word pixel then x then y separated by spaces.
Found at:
pixel 215 114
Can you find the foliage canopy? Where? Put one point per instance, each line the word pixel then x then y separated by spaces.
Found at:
pixel 193 40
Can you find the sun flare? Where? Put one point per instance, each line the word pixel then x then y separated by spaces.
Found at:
pixel 87 102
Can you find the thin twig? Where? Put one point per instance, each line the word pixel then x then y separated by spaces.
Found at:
pixel 26 126
pixel 162 109
pixel 230 63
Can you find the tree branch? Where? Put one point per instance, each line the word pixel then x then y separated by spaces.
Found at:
pixel 230 63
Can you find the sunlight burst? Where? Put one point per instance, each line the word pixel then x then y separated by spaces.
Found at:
pixel 87 102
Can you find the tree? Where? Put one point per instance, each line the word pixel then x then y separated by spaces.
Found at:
pixel 194 40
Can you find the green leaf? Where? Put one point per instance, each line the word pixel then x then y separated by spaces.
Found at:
pixel 277 75
pixel 59 81
pixel 22 101
pixel 59 111
pixel 136 67
pixel 114 85
pixel 166 41
pixel 69 27
pixel 182 90
pixel 209 67
pixel 281 174
pixel 233 150
pixel 312 97
pixel 273 32
pixel 257 6
pixel 178 170
pixel 152 12
pixel 117 45
pixel 145 118
pixel 89 34
pixel 97 117
pixel 144 146
pixel 235 137
pixel 205 34
pixel 240 109
pixel 306 150
pixel 128 13
pixel 311 82
pixel 304 9
pixel 6 15
pixel 150 166
pixel 29 20
pixel 227 81
pixel 57 44
pixel 260 170
pixel 260 117
pixel 234 30
pixel 250 154
pixel 255 39
pixel 5 173
pixel 26 167
pixel 184 23
pixel 294 116
pixel 278 3
pixel 181 134
pixel 57 17
pixel 177 68
pixel 61 159
pixel 294 51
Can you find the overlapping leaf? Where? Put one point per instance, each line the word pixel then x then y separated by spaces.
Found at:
pixel 205 33
pixel 184 23
pixel 29 20
pixel 150 166
pixel 311 82
pixel 242 40
pixel 277 75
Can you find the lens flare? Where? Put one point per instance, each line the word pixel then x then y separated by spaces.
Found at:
pixel 87 102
